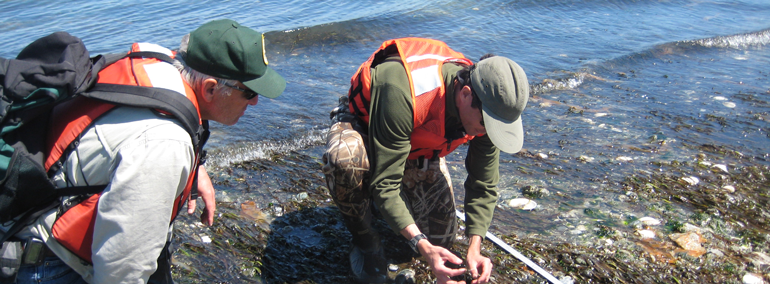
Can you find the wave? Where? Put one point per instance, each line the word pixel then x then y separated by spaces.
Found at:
pixel 571 81
pixel 224 157
pixel 737 41
pixel 320 35
pixel 298 14
pixel 740 41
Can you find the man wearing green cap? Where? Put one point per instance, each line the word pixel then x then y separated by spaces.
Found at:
pixel 413 102
pixel 146 160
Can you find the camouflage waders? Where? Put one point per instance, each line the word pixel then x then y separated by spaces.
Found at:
pixel 346 168
pixel 427 190
pixel 426 186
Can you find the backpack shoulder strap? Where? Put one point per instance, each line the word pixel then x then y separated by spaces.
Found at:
pixel 157 55
pixel 114 57
pixel 149 97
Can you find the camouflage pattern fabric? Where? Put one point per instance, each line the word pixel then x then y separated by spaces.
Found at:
pixel 430 198
pixel 345 169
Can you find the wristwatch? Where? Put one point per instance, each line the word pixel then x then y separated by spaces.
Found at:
pixel 413 242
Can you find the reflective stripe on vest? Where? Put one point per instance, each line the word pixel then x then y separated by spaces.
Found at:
pixel 422 58
pixel 74 229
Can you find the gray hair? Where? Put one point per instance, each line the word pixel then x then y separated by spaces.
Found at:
pixel 193 77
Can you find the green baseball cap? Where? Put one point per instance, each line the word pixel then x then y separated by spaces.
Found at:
pixel 502 87
pixel 225 49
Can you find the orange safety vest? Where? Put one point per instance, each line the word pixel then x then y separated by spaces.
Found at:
pixel 74 229
pixel 422 59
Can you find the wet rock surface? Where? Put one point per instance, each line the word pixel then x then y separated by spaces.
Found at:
pixel 535 192
pixel 280 226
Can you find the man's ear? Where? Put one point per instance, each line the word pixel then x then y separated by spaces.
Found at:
pixel 208 89
pixel 466 93
pixel 467 90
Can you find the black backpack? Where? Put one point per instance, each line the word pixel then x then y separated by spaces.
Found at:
pixel 52 70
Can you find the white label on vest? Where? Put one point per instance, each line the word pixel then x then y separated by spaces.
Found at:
pixel 425 79
pixel 164 75
pixel 146 46
pixel 415 58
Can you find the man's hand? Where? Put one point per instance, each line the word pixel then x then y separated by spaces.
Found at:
pixel 479 265
pixel 206 192
pixel 436 257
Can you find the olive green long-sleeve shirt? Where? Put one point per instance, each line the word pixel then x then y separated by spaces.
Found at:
pixel 391 123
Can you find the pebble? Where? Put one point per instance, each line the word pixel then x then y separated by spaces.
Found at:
pixel 222 196
pixel 751 278
pixel 708 164
pixel 729 188
pixel 729 104
pixel 649 221
pixel 716 252
pixel 393 267
pixel 600 114
pixel 529 206
pixel 302 196
pixel 721 167
pixel 205 239
pixel 646 234
pixel 542 156
pixel 566 280
pixel 570 214
pixel 720 98
pixel 586 159
pixel 691 180
pixel 518 202
pixel 624 159
pixel 522 203
pixel 691 242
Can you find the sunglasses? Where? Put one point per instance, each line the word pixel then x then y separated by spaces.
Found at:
pixel 482 114
pixel 247 94
pixel 477 104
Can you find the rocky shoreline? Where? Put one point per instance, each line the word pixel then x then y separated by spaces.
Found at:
pixel 277 224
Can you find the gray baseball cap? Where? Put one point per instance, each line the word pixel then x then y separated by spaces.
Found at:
pixel 502 87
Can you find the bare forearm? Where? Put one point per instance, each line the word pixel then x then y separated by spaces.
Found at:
pixel 479 265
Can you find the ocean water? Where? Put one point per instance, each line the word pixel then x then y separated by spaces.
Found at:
pixel 615 84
